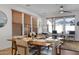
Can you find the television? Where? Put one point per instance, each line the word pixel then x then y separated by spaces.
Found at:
pixel 71 32
pixel 54 32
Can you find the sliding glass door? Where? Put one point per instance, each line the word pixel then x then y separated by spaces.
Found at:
pixel 59 25
pixel 69 24
pixel 64 25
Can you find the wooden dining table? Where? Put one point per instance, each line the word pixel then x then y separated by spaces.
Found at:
pixel 49 42
pixel 40 43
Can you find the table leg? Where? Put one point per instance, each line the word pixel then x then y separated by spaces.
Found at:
pixel 39 50
pixel 54 49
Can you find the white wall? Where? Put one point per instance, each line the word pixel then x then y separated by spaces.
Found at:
pixel 44 25
pixel 6 31
pixel 39 23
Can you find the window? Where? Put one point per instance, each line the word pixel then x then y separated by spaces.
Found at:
pixel 59 25
pixel 49 23
pixel 69 25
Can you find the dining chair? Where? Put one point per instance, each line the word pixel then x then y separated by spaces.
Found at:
pixel 14 49
pixel 54 34
pixel 22 47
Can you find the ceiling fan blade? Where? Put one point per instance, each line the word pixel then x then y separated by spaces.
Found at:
pixel 67 11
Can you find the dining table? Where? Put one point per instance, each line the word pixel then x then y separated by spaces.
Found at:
pixel 39 44
pixel 48 42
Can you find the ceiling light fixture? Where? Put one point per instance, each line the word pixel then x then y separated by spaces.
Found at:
pixel 61 8
pixel 61 12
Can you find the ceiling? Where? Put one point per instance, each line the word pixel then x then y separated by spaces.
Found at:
pixel 47 10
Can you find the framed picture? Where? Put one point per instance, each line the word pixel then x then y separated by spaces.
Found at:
pixel 3 19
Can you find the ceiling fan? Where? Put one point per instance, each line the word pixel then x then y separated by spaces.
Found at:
pixel 61 10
